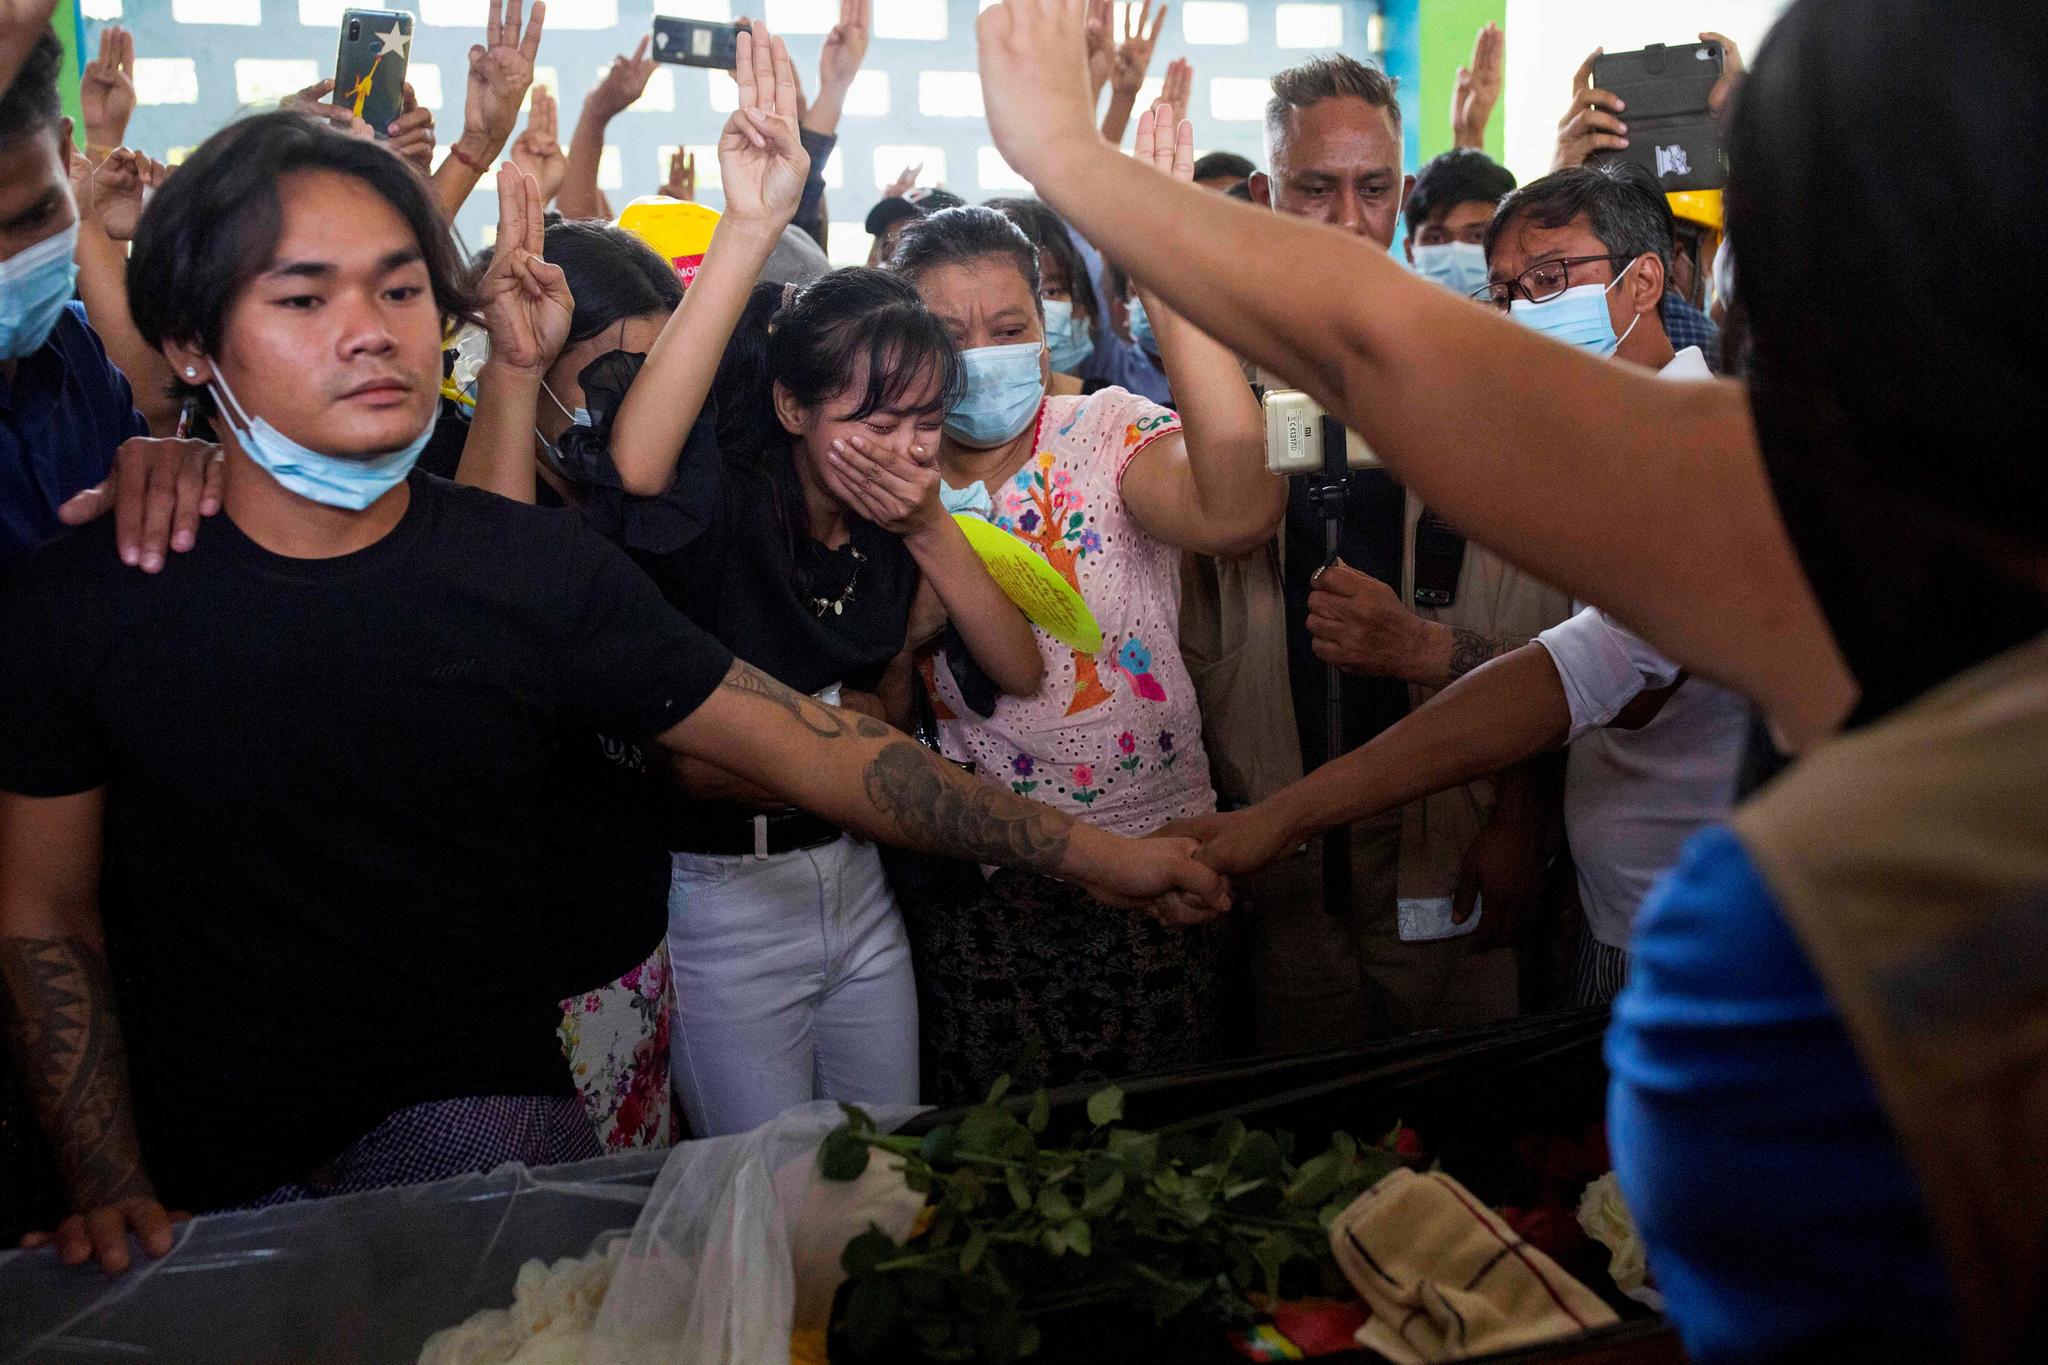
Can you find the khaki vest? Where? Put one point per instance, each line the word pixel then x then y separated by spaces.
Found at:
pixel 1911 860
pixel 1496 598
pixel 1233 639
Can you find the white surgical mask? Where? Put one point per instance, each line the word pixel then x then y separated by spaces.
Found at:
pixel 326 479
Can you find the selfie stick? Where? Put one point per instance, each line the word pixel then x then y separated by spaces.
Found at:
pixel 1326 495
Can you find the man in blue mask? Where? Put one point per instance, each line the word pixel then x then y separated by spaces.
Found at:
pixel 1447 213
pixel 64 407
pixel 296 785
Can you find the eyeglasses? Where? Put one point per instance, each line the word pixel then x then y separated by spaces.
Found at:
pixel 1539 283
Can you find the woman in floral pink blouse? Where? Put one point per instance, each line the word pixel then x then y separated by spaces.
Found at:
pixel 1032 977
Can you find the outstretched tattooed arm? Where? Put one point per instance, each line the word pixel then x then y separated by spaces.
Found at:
pixel 861 774
pixel 62 1030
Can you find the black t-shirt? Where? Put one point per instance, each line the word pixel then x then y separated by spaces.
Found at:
pixel 746 580
pixel 1369 539
pixel 326 884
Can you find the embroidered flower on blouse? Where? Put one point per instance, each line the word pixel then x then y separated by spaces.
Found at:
pixel 1091 543
pixel 1028 523
pixel 1166 741
pixel 1084 774
pixel 1022 765
pixel 1127 742
pixel 1135 657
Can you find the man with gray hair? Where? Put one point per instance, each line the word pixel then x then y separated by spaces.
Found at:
pixel 1333 147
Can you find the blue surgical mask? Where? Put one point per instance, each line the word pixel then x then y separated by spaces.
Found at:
pixel 1457 266
pixel 1005 386
pixel 1577 317
pixel 1067 338
pixel 1141 326
pixel 973 498
pixel 325 479
pixel 35 284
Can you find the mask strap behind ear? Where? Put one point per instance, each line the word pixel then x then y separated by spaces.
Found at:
pixel 224 398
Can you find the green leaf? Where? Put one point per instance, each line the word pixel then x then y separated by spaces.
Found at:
pixel 941 1143
pixel 1258 1158
pixel 1194 1210
pixel 1168 1182
pixel 1272 1252
pixel 1317 1180
pixel 843 1156
pixel 1053 1242
pixel 1027 1339
pixel 971 1254
pixel 986 1130
pixel 1106 1106
pixel 857 1118
pixel 1138 1152
pixel 865 1252
pixel 1345 1145
pixel 1041 1112
pixel 1054 1207
pixel 872 1311
pixel 1104 1194
pixel 1172 1299
pixel 1230 1136
pixel 998 1090
pixel 1077 1236
pixel 1020 1188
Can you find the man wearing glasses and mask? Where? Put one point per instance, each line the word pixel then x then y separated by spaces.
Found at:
pixel 1579 255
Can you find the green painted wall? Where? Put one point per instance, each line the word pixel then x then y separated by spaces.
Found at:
pixel 66 22
pixel 1445 30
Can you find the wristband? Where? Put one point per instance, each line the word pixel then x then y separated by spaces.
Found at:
pixel 455 150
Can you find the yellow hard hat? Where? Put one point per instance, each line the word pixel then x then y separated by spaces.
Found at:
pixel 677 229
pixel 1697 206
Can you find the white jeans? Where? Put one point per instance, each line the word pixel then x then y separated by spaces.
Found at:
pixel 792 983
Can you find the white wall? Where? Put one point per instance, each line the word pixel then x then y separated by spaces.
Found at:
pixel 1547 39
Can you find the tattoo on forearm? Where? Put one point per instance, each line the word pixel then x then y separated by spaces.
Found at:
pixel 1471 648
pixel 946 811
pixel 67 1043
pixel 821 720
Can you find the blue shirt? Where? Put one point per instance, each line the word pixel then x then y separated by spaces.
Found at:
pixel 61 420
pixel 1779 1214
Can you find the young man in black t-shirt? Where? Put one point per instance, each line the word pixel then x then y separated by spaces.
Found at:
pixel 287 793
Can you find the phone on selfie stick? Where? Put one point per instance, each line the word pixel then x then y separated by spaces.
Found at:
pixel 371 63
pixel 1304 440
pixel 694 42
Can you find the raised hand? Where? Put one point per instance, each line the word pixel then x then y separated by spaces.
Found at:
pixel 682 175
pixel 1731 71
pixel 538 150
pixel 1166 141
pixel 526 301
pixel 412 132
pixel 1101 44
pixel 625 82
pixel 500 71
pixel 313 103
pixel 761 157
pixel 1034 78
pixel 22 25
pixel 1478 89
pixel 1134 53
pixel 1179 87
pixel 106 91
pixel 900 496
pixel 1593 121
pixel 904 183
pixel 118 186
pixel 846 46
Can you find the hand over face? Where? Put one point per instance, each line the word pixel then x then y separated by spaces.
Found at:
pixel 1357 623
pixel 898 494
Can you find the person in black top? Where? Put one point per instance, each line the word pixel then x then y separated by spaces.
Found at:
pixel 799 522
pixel 271 814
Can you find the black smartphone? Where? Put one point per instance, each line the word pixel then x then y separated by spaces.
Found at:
pixel 693 42
pixel 1671 132
pixel 370 67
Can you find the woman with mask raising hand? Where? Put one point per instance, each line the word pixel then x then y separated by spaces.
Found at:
pixel 791 967
pixel 1033 978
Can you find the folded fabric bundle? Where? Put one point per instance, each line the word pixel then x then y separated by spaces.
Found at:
pixel 1446 1278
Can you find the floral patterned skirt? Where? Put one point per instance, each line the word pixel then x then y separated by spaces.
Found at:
pixel 1032 978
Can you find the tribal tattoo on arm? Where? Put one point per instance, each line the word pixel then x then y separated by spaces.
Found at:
pixel 1471 648
pixel 928 803
pixel 67 1044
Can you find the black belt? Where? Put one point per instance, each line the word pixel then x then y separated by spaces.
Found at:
pixel 732 832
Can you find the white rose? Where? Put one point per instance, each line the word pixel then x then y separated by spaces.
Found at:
pixel 1605 1217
